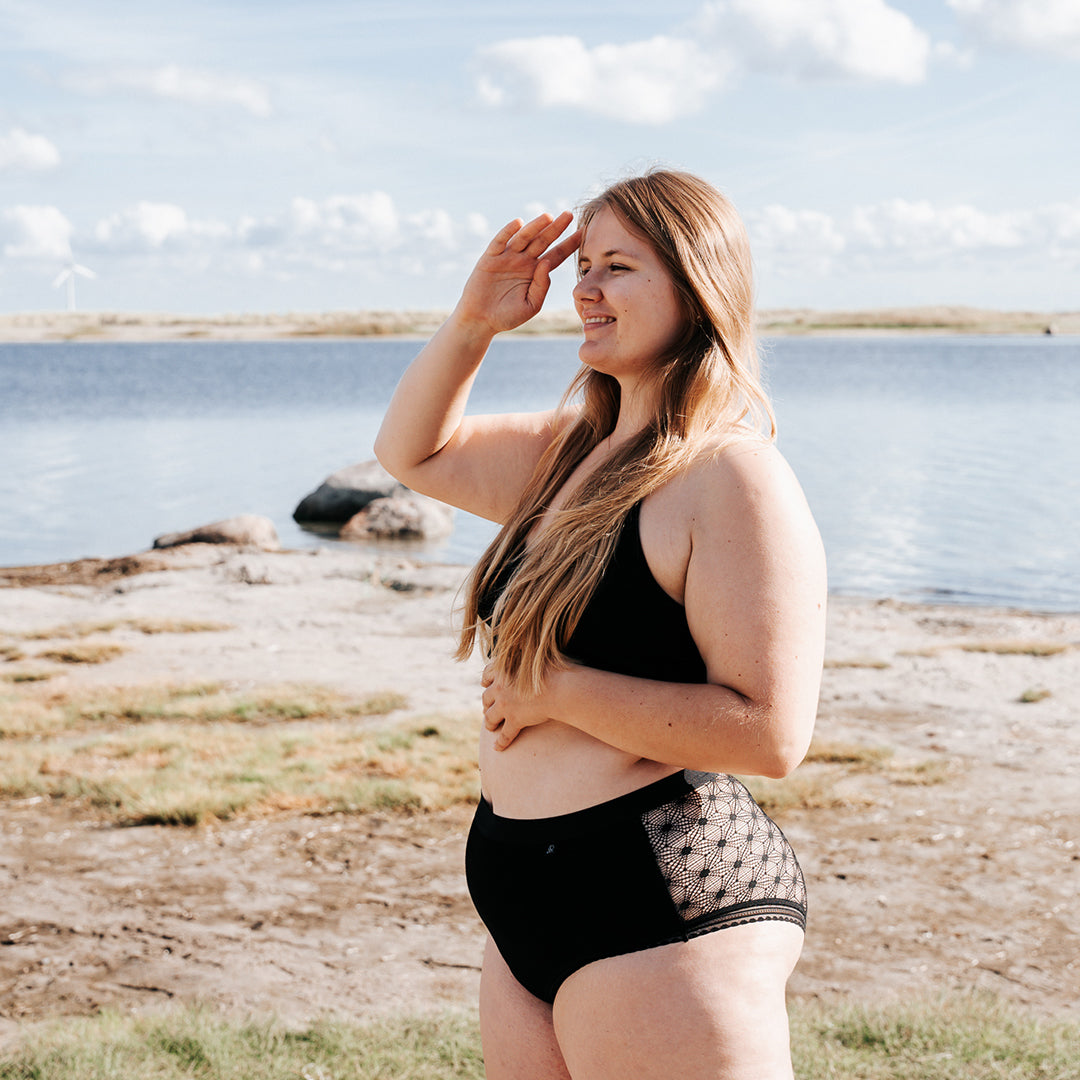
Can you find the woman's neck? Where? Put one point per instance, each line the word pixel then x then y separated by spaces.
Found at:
pixel 637 407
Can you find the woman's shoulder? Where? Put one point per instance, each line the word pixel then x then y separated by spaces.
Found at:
pixel 739 486
pixel 726 467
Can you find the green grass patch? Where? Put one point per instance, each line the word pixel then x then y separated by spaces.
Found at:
pixel 958 1037
pixel 197 1043
pixel 181 774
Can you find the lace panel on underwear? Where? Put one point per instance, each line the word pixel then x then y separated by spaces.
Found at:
pixel 717 848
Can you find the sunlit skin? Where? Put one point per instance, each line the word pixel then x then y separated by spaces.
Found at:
pixel 626 300
pixel 731 539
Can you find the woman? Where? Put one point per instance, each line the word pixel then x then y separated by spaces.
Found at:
pixel 653 611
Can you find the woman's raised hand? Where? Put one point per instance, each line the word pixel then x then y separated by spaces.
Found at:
pixel 509 283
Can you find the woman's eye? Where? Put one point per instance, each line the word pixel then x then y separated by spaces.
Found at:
pixel 617 266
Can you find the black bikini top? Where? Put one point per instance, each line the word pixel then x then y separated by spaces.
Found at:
pixel 630 625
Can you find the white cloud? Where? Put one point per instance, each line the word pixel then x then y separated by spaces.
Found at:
pixel 189 85
pixel 913 234
pixel 368 221
pixel 362 231
pixel 926 231
pixel 21 150
pixel 1051 26
pixel 821 39
pixel 35 232
pixel 795 230
pixel 645 82
pixel 659 80
pixel 150 226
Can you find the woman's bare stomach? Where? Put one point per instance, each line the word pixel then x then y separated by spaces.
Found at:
pixel 556 769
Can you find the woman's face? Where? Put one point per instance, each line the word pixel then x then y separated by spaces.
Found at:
pixel 625 298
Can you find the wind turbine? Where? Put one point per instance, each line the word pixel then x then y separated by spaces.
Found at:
pixel 68 274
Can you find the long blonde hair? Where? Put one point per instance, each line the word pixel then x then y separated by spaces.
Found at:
pixel 708 392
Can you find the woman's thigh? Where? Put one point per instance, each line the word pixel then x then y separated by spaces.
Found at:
pixel 516 1028
pixel 711 1008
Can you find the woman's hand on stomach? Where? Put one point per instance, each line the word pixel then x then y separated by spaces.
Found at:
pixel 534 766
pixel 554 768
pixel 506 712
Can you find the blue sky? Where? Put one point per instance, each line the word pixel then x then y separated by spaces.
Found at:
pixel 267 156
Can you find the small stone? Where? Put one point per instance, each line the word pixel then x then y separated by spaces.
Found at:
pixel 245 530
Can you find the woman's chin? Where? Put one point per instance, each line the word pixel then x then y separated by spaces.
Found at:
pixel 592 355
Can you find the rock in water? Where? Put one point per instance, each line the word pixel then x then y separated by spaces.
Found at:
pixel 245 530
pixel 404 516
pixel 344 494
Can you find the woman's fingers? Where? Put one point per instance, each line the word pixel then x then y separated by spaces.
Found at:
pixel 534 238
pixel 558 254
pixel 529 232
pixel 550 233
pixel 503 236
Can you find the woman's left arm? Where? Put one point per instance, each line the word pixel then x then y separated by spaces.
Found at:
pixel 755 603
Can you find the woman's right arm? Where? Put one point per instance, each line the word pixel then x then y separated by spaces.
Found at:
pixel 478 463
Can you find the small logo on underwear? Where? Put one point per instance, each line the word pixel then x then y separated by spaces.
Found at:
pixel 550 849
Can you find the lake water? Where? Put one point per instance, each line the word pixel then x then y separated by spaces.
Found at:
pixel 939 468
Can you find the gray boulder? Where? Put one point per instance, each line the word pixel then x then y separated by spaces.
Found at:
pixel 402 516
pixel 245 530
pixel 344 494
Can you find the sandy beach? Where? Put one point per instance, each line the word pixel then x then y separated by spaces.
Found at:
pixel 937 824
pixel 45 326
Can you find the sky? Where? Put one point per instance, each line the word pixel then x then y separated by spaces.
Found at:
pixel 260 156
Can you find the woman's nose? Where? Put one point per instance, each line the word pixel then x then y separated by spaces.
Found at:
pixel 586 288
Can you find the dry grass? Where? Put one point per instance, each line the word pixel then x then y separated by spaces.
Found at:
pixel 925 773
pixel 1017 648
pixel 163 326
pixel 88 652
pixel 930 318
pixel 855 755
pixel 806 789
pixel 1012 647
pixel 25 676
pixel 185 754
pixel 171 773
pixel 73 631
pixel 1033 695
pixel 44 711
pixel 857 662
pixel 818 784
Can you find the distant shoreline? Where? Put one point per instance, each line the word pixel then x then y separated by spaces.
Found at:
pixel 47 326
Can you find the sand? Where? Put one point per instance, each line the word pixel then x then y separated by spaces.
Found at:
pixel 44 326
pixel 966 881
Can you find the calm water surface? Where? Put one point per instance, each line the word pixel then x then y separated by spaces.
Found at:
pixel 938 468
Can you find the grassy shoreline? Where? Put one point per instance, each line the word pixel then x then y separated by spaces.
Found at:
pixel 958 1037
pixel 45 326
